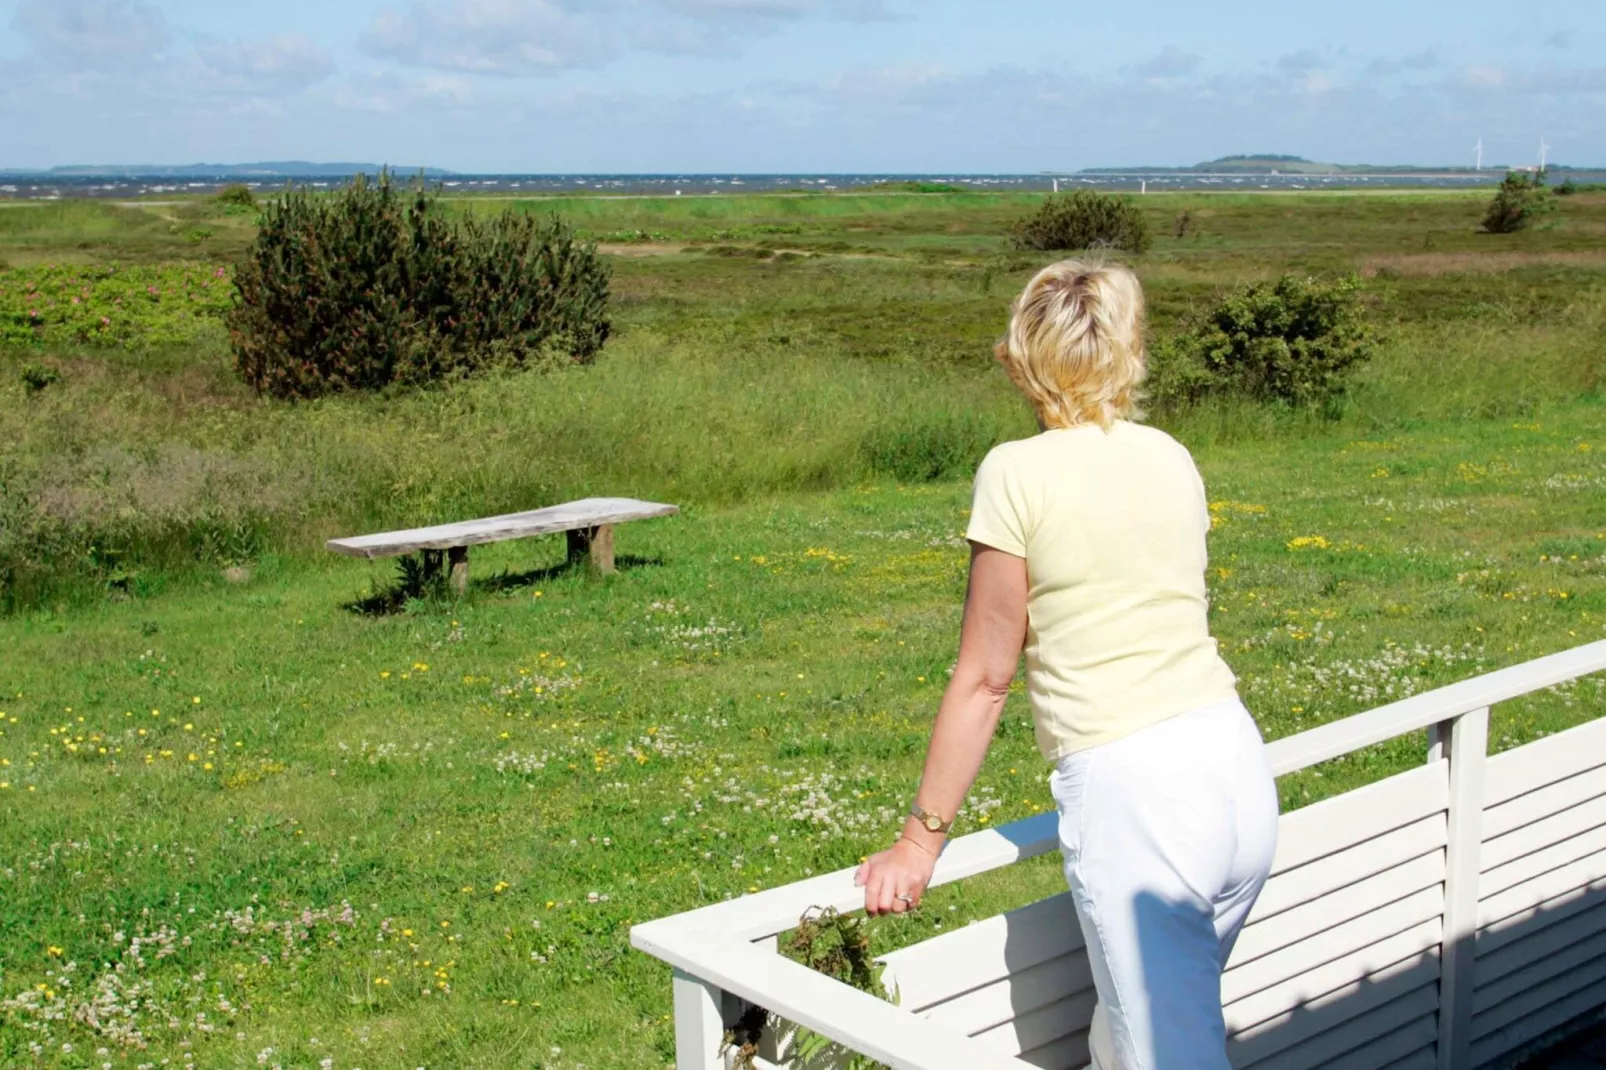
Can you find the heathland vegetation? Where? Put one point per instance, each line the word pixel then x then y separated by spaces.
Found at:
pixel 243 822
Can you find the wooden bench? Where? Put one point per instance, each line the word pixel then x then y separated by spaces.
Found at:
pixel 588 524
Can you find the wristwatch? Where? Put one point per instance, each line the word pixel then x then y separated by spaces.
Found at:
pixel 932 822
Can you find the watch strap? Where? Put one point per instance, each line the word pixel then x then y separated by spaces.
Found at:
pixel 924 817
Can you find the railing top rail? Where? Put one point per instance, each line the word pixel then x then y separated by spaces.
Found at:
pixel 798 994
pixel 775 910
pixel 1412 714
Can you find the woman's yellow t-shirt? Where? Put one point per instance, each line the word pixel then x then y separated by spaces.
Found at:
pixel 1112 525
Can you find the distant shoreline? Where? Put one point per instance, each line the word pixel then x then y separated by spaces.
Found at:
pixel 36 186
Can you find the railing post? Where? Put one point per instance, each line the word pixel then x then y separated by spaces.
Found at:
pixel 1464 741
pixel 699 1024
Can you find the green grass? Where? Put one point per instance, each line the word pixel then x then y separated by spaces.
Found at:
pixel 644 738
pixel 651 737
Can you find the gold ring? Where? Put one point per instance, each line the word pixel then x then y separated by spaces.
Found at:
pixel 905 897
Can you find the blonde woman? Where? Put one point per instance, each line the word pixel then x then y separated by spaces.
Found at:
pixel 1088 553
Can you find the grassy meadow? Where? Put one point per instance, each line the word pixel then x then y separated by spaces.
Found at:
pixel 244 823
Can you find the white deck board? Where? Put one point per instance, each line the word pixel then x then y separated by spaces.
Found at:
pixel 1544 761
pixel 1313 989
pixel 1337 824
pixel 1368 858
pixel 1361 900
pixel 1342 1013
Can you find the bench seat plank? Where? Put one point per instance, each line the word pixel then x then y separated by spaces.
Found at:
pixel 571 516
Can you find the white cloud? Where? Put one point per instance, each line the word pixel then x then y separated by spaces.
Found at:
pixel 1481 76
pixel 1300 62
pixel 1172 61
pixel 287 62
pixel 1425 60
pixel 86 32
pixel 524 37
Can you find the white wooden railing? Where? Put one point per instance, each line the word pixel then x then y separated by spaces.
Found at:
pixel 1468 867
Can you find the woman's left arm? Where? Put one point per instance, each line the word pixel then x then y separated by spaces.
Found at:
pixel 990 641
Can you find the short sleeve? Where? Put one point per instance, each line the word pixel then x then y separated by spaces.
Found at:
pixel 997 513
pixel 1199 489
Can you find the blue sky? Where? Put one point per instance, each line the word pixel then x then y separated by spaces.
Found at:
pixel 806 85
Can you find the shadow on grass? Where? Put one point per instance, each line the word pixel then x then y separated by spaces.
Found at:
pixel 416 584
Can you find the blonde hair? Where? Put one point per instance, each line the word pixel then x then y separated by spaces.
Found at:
pixel 1075 344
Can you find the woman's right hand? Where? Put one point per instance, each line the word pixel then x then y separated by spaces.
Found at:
pixel 904 869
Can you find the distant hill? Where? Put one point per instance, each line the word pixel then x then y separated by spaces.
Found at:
pixel 1265 163
pixel 275 169
pixel 1257 164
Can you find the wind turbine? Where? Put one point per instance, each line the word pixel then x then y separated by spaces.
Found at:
pixel 1478 149
pixel 1544 151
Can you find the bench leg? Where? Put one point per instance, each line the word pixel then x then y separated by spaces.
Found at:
pixel 602 550
pixel 457 558
pixel 432 564
pixel 597 543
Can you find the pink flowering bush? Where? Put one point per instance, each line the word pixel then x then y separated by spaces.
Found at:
pixel 119 306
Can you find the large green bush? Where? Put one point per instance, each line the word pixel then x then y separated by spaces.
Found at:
pixel 376 285
pixel 1083 219
pixel 1521 198
pixel 1295 340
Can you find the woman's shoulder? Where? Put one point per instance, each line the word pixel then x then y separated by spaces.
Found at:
pixel 1051 447
pixel 1154 438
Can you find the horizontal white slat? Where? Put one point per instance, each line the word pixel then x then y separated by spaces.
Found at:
pixel 1586 956
pixel 1552 854
pixel 1310 990
pixel 1294 887
pixel 1540 943
pixel 1261 973
pixel 1431 707
pixel 1326 1049
pixel 1261 937
pixel 1520 1005
pixel 1042 1026
pixel 1520 900
pixel 959 961
pixel 1332 825
pixel 1423 1058
pixel 777 910
pixel 1335 1008
pixel 1498 850
pixel 1062 1054
pixel 1537 1023
pixel 1401 1043
pixel 1545 761
pixel 1552 911
pixel 1034 987
pixel 1541 803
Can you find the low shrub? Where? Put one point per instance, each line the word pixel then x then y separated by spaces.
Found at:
pixel 127 306
pixel 35 377
pixel 1083 219
pixel 912 186
pixel 375 285
pixel 237 196
pixel 1293 340
pixel 1521 198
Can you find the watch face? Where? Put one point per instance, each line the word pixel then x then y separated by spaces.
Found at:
pixel 933 822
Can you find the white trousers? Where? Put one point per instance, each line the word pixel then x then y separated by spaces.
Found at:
pixel 1168 835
